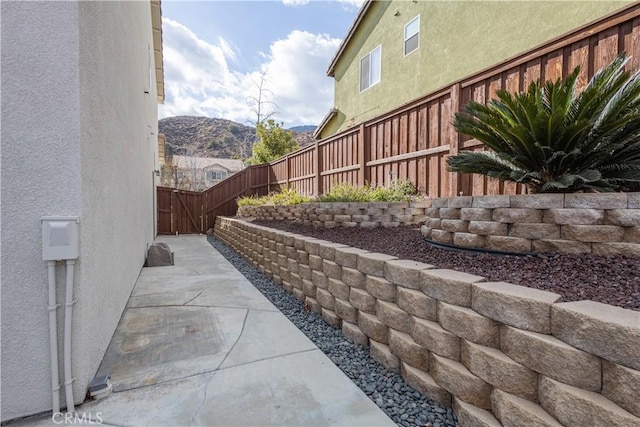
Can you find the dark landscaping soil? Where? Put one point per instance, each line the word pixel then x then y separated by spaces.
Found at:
pixel 611 280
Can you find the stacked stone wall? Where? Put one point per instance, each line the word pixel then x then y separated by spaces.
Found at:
pixel 499 353
pixel 344 214
pixel 599 223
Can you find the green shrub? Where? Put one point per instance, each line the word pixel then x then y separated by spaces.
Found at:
pixel 286 196
pixel 251 201
pixel 345 192
pixel 400 192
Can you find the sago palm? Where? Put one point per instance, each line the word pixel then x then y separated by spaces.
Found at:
pixel 554 139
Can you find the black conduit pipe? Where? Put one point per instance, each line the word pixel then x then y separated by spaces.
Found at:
pixel 455 248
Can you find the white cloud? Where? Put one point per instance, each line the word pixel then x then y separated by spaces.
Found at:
pixel 200 81
pixel 295 2
pixel 296 74
pixel 227 49
pixel 355 3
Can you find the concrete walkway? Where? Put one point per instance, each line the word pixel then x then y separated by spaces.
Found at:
pixel 198 345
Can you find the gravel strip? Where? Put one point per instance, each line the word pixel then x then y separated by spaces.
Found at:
pixel 611 280
pixel 388 390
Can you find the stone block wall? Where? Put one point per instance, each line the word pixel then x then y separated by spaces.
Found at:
pixel 499 353
pixel 599 223
pixel 344 214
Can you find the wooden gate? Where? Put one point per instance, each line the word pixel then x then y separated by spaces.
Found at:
pixel 192 212
pixel 179 211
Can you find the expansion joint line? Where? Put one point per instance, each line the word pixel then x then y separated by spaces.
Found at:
pixel 199 293
pixel 206 386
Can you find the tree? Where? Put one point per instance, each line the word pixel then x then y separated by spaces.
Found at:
pixel 274 142
pixel 555 140
pixel 234 129
pixel 262 108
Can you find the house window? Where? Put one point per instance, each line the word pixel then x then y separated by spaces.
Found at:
pixel 412 35
pixel 216 175
pixel 370 69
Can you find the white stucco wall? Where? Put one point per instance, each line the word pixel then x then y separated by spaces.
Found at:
pixel 78 138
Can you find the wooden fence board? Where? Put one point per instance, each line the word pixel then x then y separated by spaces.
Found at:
pixel 554 66
pixel 164 210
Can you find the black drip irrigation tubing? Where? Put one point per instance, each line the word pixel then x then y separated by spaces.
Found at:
pixel 495 252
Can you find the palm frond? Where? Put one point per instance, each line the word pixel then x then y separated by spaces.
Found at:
pixel 554 139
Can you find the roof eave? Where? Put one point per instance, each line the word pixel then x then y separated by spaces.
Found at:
pixel 156 23
pixel 324 122
pixel 352 30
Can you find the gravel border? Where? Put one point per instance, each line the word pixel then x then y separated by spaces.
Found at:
pixel 404 405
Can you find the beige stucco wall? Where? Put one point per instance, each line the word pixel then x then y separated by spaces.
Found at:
pixel 457 39
pixel 78 138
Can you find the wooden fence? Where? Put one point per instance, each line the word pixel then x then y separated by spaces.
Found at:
pixel 413 141
pixel 184 212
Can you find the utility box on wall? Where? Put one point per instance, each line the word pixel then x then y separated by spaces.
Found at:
pixel 59 238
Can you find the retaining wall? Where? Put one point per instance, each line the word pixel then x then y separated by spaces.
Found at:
pixel 499 353
pixel 599 223
pixel 344 214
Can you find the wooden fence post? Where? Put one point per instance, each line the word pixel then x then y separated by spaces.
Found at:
pixel 173 211
pixel 286 163
pixel 268 178
pixel 203 212
pixel 363 150
pixel 318 163
pixel 247 187
pixel 454 144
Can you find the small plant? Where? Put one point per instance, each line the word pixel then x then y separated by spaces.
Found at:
pixel 402 191
pixel 408 188
pixel 286 196
pixel 250 200
pixel 553 139
pixel 346 192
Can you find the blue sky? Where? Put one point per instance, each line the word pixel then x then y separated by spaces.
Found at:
pixel 216 51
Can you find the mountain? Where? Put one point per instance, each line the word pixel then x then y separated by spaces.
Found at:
pixel 305 128
pixel 213 137
pixel 205 137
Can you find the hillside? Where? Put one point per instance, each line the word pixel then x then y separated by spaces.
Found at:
pixel 212 137
pixel 306 128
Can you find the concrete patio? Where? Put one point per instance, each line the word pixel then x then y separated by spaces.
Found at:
pixel 198 345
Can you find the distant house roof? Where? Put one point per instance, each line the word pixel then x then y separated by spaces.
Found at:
pixel 323 123
pixel 354 26
pixel 232 165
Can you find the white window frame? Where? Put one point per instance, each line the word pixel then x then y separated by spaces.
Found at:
pixel 368 56
pixel 216 175
pixel 408 37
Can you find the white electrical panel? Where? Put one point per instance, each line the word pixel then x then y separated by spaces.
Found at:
pixel 59 238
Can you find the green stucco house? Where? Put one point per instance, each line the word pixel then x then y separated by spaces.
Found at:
pixel 397 51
